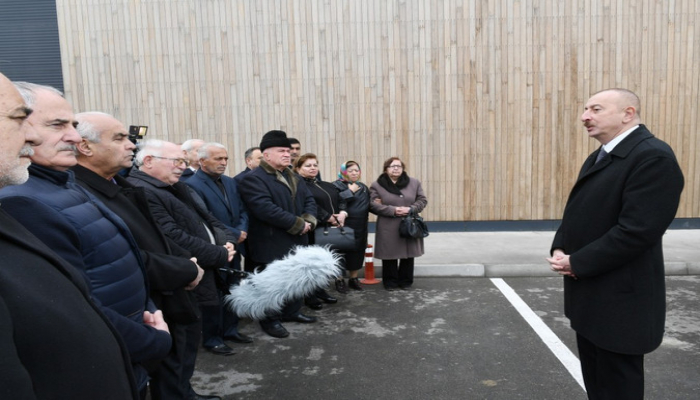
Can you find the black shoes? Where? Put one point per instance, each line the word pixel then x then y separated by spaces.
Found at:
pixel 274 329
pixel 239 338
pixel 340 286
pixel 327 298
pixel 221 350
pixel 313 303
pixel 304 319
pixel 354 284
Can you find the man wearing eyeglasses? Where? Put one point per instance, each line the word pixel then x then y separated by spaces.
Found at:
pixel 183 217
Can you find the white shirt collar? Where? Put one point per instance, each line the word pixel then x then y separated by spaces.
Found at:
pixel 611 144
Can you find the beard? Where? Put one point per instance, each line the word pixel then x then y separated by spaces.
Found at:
pixel 14 172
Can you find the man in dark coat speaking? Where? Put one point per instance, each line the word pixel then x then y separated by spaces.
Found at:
pixel 608 247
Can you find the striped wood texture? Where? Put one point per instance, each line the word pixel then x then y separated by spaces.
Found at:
pixel 480 98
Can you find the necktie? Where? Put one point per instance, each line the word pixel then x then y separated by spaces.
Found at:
pixel 602 153
pixel 221 187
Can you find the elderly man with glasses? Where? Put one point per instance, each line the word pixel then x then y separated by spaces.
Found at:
pixel 183 217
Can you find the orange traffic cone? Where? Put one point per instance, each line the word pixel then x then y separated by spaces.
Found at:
pixel 369 267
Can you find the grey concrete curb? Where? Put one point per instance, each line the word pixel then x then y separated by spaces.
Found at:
pixel 514 270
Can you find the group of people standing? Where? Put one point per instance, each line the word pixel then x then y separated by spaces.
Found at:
pixel 144 248
pixel 99 271
pixel 348 202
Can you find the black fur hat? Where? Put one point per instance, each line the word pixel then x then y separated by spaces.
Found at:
pixel 274 139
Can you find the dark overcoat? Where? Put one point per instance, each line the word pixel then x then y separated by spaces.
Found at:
pixel 54 342
pixel 278 205
pixel 85 233
pixel 357 207
pixel 167 264
pixel 182 219
pixel 612 228
pixel 388 245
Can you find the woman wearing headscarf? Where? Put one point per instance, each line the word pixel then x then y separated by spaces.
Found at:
pixel 393 196
pixel 330 210
pixel 356 196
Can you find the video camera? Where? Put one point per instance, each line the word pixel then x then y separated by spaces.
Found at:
pixel 137 132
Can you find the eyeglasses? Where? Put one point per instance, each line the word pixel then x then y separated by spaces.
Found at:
pixel 396 166
pixel 176 161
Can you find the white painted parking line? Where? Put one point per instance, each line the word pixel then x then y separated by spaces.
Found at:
pixel 565 356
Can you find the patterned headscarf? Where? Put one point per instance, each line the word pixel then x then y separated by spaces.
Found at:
pixel 343 174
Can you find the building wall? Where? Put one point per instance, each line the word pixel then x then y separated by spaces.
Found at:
pixel 480 98
pixel 29 46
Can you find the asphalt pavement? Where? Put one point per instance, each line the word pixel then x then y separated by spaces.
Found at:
pixel 482 322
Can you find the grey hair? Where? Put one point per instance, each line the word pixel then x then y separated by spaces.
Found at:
pixel 189 144
pixel 203 152
pixel 28 91
pixel 249 153
pixel 86 129
pixel 151 147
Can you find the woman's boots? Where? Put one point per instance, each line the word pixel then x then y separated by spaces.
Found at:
pixel 354 283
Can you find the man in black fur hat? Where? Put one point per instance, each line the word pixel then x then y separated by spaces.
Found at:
pixel 281 211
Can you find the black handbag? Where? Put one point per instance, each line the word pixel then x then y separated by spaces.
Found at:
pixel 340 238
pixel 413 226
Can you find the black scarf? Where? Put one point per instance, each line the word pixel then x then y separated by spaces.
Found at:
pixel 391 187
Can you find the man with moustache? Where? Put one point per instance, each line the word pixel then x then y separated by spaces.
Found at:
pixel 281 211
pixel 609 245
pixel 221 198
pixel 83 231
pixel 105 149
pixel 177 210
pixel 83 357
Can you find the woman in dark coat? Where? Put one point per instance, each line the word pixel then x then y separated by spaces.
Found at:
pixel 393 195
pixel 330 210
pixel 356 195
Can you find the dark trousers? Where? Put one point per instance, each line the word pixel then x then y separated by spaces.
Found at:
pixel 395 274
pixel 172 378
pixel 218 321
pixel 290 309
pixel 609 375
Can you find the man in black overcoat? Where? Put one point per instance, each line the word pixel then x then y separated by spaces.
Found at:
pixel 281 211
pixel 609 245
pixel 183 217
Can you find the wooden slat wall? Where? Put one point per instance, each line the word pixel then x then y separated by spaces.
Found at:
pixel 480 98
